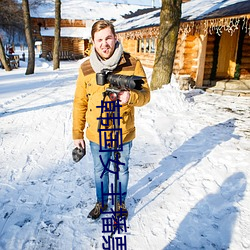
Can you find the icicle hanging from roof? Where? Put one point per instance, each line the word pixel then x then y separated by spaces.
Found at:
pixel 246 25
pixel 229 24
pixel 218 25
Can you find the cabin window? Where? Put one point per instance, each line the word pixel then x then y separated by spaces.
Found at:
pixel 146 45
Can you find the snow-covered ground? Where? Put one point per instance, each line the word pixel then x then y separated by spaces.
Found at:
pixel 189 171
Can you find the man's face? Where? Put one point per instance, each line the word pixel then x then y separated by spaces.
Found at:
pixel 104 42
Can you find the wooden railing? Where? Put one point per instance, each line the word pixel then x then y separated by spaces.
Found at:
pixel 63 55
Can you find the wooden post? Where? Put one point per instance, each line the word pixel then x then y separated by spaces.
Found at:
pixel 144 45
pixel 201 60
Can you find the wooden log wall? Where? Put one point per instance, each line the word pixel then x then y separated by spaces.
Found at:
pixel 178 61
pixel 190 56
pixel 186 55
pixel 66 44
pixel 146 59
pixel 50 22
pixel 73 45
pixel 79 46
pixel 131 46
pixel 47 45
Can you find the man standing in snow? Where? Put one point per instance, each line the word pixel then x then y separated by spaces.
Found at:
pixel 107 54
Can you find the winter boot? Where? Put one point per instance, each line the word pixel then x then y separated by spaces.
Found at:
pixel 121 208
pixel 96 211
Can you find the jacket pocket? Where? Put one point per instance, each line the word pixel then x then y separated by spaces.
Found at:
pixel 127 115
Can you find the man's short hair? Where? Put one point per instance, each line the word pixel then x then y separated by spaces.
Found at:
pixel 101 24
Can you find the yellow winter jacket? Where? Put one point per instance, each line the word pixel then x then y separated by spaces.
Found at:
pixel 88 95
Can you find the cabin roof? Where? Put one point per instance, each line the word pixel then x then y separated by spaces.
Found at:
pixel 208 9
pixel 84 10
pixel 140 21
pixel 77 32
pixel 193 10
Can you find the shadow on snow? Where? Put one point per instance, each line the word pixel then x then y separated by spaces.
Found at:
pixel 190 153
pixel 22 110
pixel 210 223
pixel 215 220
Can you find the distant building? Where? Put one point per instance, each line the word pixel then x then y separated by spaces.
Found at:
pixel 75 36
pixel 77 19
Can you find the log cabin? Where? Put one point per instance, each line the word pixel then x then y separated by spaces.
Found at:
pixel 213 41
pixel 74 37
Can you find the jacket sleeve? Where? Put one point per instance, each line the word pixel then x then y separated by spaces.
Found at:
pixel 139 98
pixel 80 106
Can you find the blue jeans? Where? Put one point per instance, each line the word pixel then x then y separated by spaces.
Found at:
pixel 102 174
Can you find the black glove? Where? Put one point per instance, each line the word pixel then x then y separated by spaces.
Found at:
pixel 78 153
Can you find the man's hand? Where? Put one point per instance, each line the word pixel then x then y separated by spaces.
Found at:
pixel 79 143
pixel 123 97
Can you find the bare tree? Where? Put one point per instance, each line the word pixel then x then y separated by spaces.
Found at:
pixel 28 33
pixel 11 16
pixel 36 3
pixel 11 24
pixel 168 34
pixel 3 57
pixel 56 59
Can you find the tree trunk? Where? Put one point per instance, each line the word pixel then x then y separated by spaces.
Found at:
pixel 168 34
pixel 3 57
pixel 28 33
pixel 56 59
